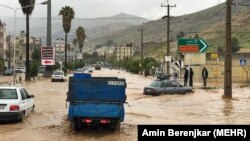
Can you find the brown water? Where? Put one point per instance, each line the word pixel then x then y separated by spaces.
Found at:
pixel 49 121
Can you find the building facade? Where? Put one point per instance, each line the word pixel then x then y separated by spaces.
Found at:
pixel 3 48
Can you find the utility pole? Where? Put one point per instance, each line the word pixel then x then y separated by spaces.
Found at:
pixel 9 53
pixel 228 55
pixel 168 42
pixel 49 23
pixel 142 46
pixel 120 53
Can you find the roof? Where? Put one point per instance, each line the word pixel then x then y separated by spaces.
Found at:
pixel 9 87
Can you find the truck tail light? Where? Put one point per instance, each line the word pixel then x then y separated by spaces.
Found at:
pixel 104 121
pixel 87 120
pixel 14 108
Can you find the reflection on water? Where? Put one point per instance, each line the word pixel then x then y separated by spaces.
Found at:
pixel 228 107
pixel 49 122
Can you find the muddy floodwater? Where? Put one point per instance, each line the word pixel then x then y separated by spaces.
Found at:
pixel 49 121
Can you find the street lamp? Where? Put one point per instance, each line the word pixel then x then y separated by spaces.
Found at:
pixel 14 46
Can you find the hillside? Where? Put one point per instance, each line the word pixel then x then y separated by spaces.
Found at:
pixel 208 24
pixel 95 27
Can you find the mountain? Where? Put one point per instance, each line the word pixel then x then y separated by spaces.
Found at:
pixel 94 27
pixel 208 24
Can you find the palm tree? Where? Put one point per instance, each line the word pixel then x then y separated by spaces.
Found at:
pixel 27 8
pixel 80 33
pixel 67 14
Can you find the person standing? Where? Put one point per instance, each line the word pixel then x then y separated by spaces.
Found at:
pixel 191 77
pixel 185 77
pixel 204 74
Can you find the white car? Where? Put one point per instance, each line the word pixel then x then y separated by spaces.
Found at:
pixel 58 76
pixel 20 69
pixel 15 103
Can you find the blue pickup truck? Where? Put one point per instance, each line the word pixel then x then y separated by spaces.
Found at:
pixel 96 101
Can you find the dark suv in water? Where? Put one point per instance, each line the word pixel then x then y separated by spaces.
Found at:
pixel 166 86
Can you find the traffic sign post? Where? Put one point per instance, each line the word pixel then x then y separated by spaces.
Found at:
pixel 243 62
pixel 48 55
pixel 192 45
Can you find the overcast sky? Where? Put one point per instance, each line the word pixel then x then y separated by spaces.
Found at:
pixel 150 9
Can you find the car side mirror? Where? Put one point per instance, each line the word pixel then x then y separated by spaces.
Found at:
pixel 31 96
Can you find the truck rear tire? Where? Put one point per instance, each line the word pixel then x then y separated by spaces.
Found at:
pixel 76 124
pixel 116 126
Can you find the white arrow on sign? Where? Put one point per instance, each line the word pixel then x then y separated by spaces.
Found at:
pixel 204 45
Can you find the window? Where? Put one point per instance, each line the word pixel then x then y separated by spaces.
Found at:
pixel 176 84
pixel 23 95
pixel 26 94
pixel 8 94
pixel 166 84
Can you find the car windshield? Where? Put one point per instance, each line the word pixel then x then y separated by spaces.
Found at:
pixel 155 84
pixel 8 94
pixel 58 73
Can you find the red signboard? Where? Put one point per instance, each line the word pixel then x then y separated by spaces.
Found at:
pixel 189 48
pixel 48 55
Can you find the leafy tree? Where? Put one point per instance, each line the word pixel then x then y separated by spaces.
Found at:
pixel 34 68
pixel 110 42
pixel 235 44
pixel 129 44
pixel 1 64
pixel 98 46
pixel 196 36
pixel 67 14
pixel 220 50
pixel 56 66
pixel 81 36
pixel 180 35
pixel 132 65
pixel 147 64
pixel 36 55
pixel 27 8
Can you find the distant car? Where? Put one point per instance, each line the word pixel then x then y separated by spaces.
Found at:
pixel 80 70
pixel 97 67
pixel 58 75
pixel 166 86
pixel 90 70
pixel 20 69
pixel 15 103
pixel 8 72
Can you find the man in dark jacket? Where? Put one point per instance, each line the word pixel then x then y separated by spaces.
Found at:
pixel 191 77
pixel 185 77
pixel 204 74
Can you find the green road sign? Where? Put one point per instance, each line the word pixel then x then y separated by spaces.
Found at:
pixel 192 45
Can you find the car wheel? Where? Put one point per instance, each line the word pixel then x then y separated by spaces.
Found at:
pixel 76 124
pixel 22 117
pixel 33 109
pixel 116 126
pixel 157 94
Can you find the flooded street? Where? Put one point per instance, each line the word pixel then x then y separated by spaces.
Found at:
pixel 49 121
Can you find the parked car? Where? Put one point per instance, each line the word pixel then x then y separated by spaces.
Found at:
pixel 8 72
pixel 166 86
pixel 58 75
pixel 15 103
